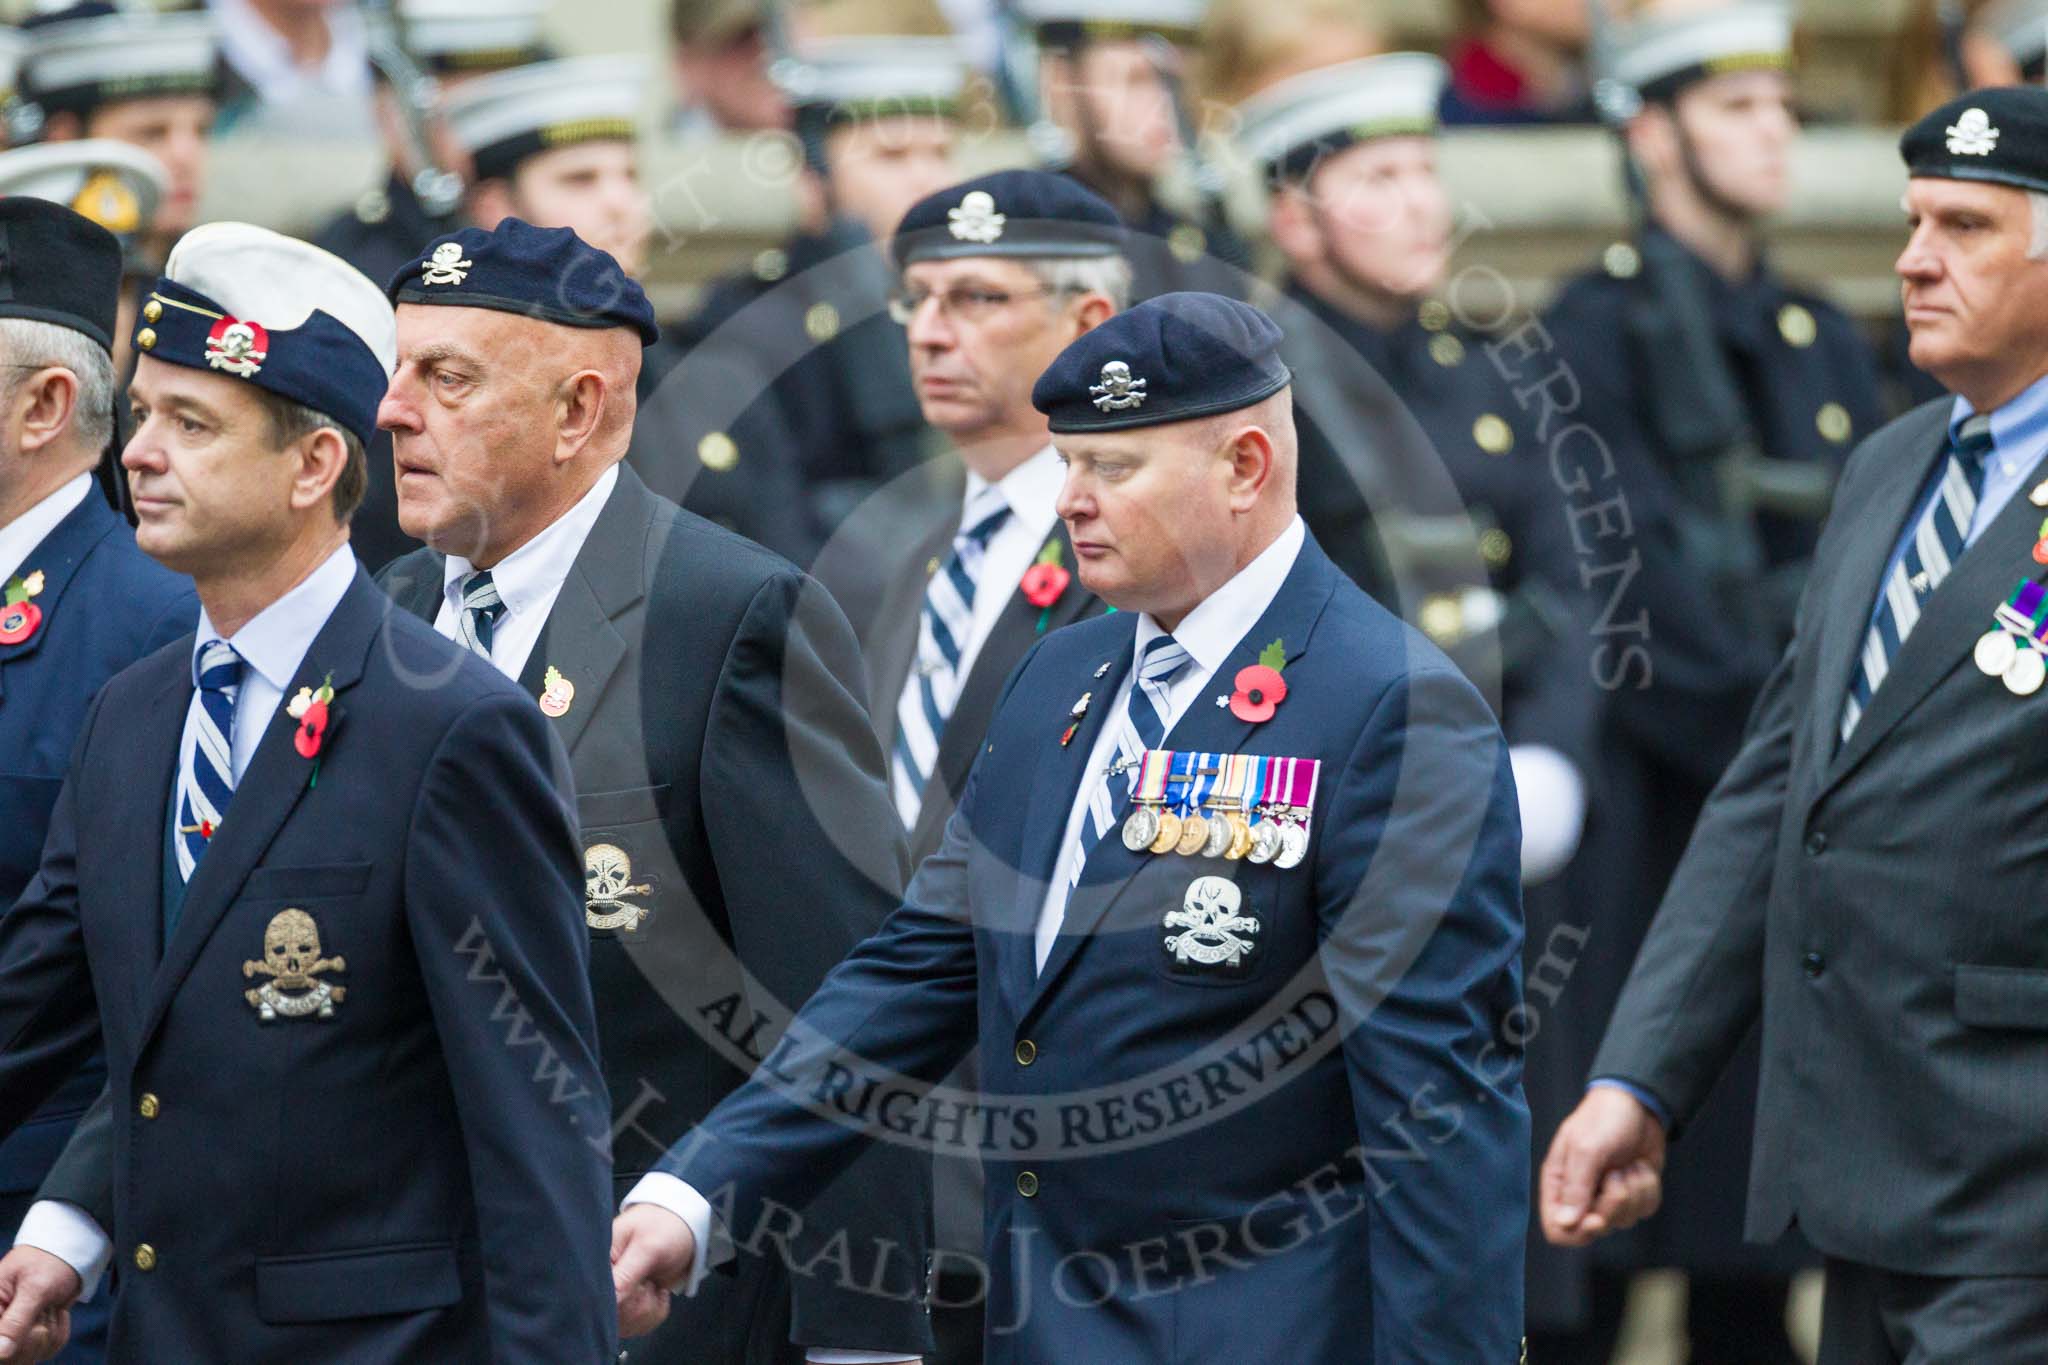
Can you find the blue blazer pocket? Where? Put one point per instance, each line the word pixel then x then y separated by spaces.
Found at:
pixel 376 1281
pixel 2002 997
pixel 312 882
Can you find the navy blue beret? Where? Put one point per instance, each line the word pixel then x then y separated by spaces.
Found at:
pixel 1171 358
pixel 1009 213
pixel 58 266
pixel 546 273
pixel 1998 135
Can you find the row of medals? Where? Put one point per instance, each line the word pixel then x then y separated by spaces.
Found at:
pixel 1280 839
pixel 2001 654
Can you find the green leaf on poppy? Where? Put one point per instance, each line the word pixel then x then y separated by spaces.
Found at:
pixel 1274 656
pixel 1050 554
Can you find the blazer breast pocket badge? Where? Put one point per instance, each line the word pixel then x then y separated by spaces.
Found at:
pixel 292 961
pixel 1211 935
pixel 607 881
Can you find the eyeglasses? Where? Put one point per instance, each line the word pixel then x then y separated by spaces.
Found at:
pixel 962 303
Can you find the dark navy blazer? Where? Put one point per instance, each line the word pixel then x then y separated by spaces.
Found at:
pixel 419 1177
pixel 105 604
pixel 1325 1158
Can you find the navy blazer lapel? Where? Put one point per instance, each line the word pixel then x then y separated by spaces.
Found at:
pixel 57 557
pixel 608 576
pixel 421 591
pixel 1204 728
pixel 1852 592
pixel 1056 777
pixel 1951 620
pixel 270 790
pixel 149 738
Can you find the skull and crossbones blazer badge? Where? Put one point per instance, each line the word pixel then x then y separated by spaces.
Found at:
pixel 292 961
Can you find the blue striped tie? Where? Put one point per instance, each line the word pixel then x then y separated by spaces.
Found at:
pixel 1143 727
pixel 209 772
pixel 481 608
pixel 933 686
pixel 1937 542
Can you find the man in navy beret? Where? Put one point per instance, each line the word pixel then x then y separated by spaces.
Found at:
pixel 311 881
pixel 1230 903
pixel 1866 876
pixel 953 571
pixel 736 832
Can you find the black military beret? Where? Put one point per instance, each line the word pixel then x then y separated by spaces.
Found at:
pixel 1998 135
pixel 1009 213
pixel 1171 358
pixel 546 273
pixel 59 267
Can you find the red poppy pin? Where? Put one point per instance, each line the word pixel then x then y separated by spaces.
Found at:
pixel 311 708
pixel 1045 580
pixel 1260 687
pixel 19 617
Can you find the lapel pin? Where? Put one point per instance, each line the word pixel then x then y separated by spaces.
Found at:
pixel 1079 710
pixel 1103 671
pixel 556 692
pixel 19 617
pixel 2039 497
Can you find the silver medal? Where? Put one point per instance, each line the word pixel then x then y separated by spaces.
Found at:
pixel 1265 841
pixel 2024 676
pixel 1220 837
pixel 1996 649
pixel 1141 827
pixel 1293 845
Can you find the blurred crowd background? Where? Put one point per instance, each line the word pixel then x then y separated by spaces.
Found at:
pixel 746 161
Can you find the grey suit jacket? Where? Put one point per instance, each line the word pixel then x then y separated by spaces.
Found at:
pixel 1880 902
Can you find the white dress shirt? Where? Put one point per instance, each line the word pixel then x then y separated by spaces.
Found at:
pixel 1032 491
pixel 273 643
pixel 528 580
pixel 19 538
pixel 1208 633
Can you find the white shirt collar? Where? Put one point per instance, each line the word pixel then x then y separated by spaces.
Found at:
pixel 1212 630
pixel 532 574
pixel 1032 489
pixel 19 538
pixel 264 59
pixel 275 640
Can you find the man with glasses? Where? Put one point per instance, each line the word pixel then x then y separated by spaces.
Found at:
pixel 998 275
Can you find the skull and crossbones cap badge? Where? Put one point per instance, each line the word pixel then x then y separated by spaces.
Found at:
pixel 1170 359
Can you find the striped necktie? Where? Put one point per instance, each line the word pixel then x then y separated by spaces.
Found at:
pixel 1142 727
pixel 481 608
pixel 933 686
pixel 208 779
pixel 1937 542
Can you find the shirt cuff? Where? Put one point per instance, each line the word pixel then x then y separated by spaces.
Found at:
pixel 826 1355
pixel 665 1191
pixel 1552 797
pixel 1642 1096
pixel 67 1232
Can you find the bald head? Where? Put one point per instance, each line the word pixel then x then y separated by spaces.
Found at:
pixel 501 422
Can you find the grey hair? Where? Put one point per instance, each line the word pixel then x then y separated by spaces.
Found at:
pixel 1109 275
pixel 2037 247
pixel 33 345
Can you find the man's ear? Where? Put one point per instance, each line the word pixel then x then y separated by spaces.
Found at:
pixel 579 411
pixel 44 406
pixel 1250 452
pixel 322 456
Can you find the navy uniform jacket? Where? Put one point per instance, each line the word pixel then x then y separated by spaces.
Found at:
pixel 720 747
pixel 412 1179
pixel 811 338
pixel 1680 689
pixel 105 604
pixel 1325 1159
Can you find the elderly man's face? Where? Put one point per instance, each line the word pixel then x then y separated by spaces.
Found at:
pixel 471 412
pixel 1974 301
pixel 1150 513
pixel 984 329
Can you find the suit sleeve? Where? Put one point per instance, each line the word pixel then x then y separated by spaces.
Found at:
pixel 494 895
pixel 1697 983
pixel 792 750
pixel 49 1014
pixel 84 1172
pixel 1418 891
pixel 900 1011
